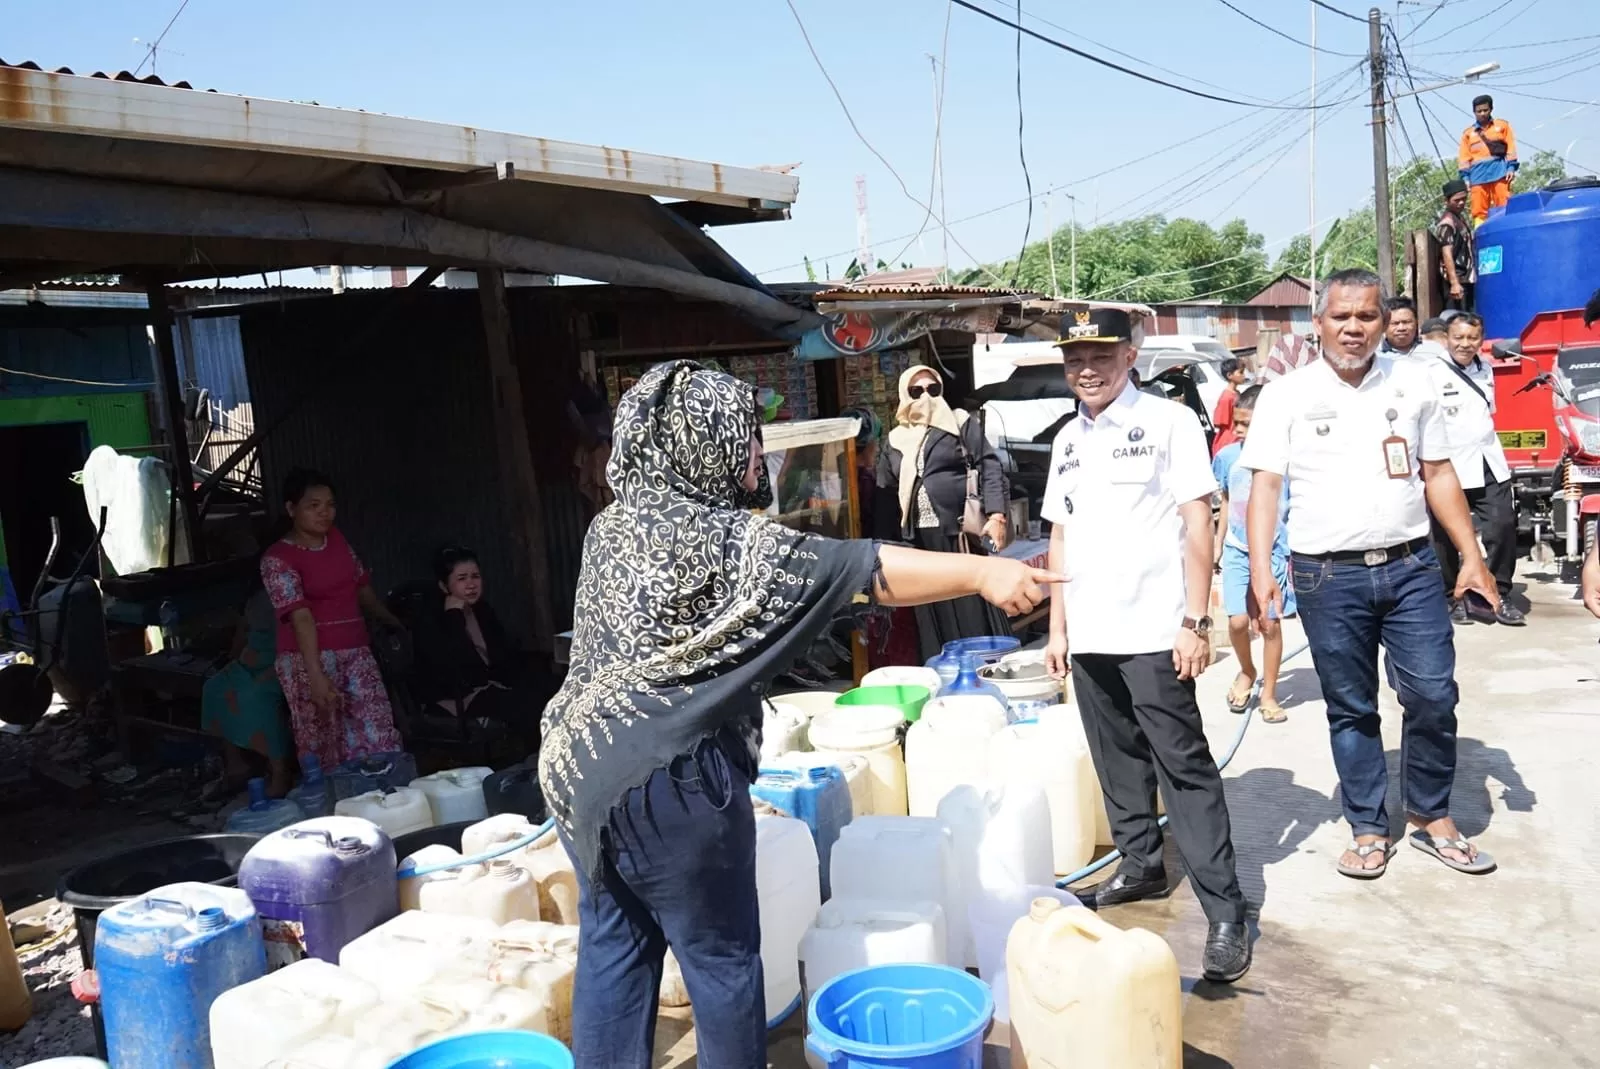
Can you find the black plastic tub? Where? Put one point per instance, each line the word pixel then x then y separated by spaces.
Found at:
pixel 438 835
pixel 96 886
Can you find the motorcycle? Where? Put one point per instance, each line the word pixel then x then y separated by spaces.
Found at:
pixel 1574 384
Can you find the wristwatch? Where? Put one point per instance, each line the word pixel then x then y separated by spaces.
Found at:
pixel 1201 627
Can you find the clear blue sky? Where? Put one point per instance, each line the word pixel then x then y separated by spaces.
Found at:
pixel 731 81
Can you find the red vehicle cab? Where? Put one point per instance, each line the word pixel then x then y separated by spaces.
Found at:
pixel 1547 413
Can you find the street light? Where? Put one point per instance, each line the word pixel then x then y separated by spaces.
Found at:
pixel 1472 74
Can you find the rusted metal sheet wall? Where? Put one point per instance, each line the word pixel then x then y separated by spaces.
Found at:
pixel 1282 292
pixel 404 427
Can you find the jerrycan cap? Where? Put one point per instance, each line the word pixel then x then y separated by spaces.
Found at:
pixel 1042 908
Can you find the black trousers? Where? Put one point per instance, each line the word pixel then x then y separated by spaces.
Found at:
pixel 1144 729
pixel 1495 518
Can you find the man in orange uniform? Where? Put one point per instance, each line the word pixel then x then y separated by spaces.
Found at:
pixel 1487 159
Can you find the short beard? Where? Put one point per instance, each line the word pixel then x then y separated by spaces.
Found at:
pixel 1344 363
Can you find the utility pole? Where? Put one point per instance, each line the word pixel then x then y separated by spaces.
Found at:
pixel 1380 151
pixel 1050 241
pixel 1311 171
pixel 863 245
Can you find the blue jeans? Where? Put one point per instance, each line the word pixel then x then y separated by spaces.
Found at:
pixel 678 868
pixel 1347 611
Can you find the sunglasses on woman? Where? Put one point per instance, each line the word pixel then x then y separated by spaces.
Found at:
pixel 933 389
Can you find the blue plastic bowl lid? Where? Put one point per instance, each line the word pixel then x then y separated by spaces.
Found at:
pixel 489 1050
pixel 960 989
pixel 985 645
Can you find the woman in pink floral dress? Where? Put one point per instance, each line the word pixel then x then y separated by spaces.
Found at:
pixel 319 589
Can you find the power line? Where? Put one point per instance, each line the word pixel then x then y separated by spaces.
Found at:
pixel 1525 44
pixel 1405 67
pixel 869 146
pixel 1070 32
pixel 1336 11
pixel 1091 57
pixel 1287 37
pixel 149 57
pixel 1022 154
pixel 1333 80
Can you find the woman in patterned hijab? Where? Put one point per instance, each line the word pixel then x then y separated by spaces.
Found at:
pixel 688 604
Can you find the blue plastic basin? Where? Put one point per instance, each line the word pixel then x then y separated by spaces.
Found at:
pixel 900 1017
pixel 489 1050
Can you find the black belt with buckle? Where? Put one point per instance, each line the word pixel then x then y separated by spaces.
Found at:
pixel 1370 557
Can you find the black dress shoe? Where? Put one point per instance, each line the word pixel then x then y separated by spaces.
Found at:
pixel 1123 888
pixel 1227 955
pixel 1458 612
pixel 1510 615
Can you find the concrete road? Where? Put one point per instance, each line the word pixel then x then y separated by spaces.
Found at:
pixel 1425 968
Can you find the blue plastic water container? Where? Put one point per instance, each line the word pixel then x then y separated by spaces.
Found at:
pixel 817 795
pixel 968 681
pixel 264 815
pixel 163 958
pixel 314 794
pixel 489 1050
pixel 1541 253
pixel 900 1017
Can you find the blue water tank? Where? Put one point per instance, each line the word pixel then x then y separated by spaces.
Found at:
pixel 1540 254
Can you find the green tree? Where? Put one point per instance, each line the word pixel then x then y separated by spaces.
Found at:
pixel 1416 197
pixel 1148 259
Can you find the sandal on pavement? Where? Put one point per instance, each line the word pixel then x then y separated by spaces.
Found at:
pixel 1435 845
pixel 1272 713
pixel 1238 703
pixel 1364 851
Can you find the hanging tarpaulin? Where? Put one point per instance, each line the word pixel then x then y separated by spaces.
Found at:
pixel 850 332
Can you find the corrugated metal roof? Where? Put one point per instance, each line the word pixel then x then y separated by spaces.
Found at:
pixel 122 105
pixel 120 76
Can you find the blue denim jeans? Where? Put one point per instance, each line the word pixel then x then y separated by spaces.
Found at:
pixel 1349 610
pixel 679 868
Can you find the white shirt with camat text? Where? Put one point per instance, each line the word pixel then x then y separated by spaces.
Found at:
pixel 1325 437
pixel 1116 482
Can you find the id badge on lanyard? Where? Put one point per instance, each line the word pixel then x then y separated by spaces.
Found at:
pixel 1396 453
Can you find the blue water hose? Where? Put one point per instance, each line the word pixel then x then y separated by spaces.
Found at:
pixel 534 836
pixel 1233 748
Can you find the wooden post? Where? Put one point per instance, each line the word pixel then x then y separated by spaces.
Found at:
pixel 172 408
pixel 516 458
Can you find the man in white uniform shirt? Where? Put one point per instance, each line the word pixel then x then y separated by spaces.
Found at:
pixel 1361 440
pixel 1129 500
pixel 1466 396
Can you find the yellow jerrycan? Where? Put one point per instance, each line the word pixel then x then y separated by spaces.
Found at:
pixel 1086 993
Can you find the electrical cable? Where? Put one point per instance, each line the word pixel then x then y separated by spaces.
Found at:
pixel 1058 186
pixel 1329 7
pixel 1333 80
pixel 837 95
pixel 1091 57
pixel 1227 759
pixel 76 382
pixel 150 55
pixel 1022 154
pixel 1287 37
pixel 1525 44
pixel 938 133
pixel 1464 25
pixel 1405 68
pixel 1070 32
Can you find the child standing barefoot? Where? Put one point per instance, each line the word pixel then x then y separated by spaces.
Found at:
pixel 1234 558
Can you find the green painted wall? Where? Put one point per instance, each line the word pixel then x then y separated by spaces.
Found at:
pixel 120 420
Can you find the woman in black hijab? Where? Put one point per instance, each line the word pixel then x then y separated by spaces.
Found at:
pixel 688 604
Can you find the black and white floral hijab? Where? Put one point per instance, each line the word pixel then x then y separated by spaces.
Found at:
pixel 687 602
